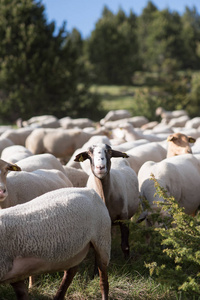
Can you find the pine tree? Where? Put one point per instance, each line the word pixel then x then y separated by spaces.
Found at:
pixel 38 75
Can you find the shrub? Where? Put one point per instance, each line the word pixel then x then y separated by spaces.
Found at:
pixel 180 245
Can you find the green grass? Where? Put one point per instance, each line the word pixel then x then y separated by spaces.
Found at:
pixel 115 97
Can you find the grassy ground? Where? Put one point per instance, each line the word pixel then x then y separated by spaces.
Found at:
pixel 116 97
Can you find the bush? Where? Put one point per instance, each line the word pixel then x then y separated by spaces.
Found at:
pixel 180 246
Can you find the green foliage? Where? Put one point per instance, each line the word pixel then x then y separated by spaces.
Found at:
pixel 190 35
pixel 193 106
pixel 180 246
pixel 39 71
pixel 113 49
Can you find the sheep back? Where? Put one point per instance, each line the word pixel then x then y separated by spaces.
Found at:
pixel 54 227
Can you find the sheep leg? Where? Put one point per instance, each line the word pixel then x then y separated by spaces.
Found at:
pixel 104 285
pixel 124 239
pixel 20 290
pixel 32 281
pixel 66 281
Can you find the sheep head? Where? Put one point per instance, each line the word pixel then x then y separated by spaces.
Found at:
pixel 4 168
pixel 100 158
pixel 179 144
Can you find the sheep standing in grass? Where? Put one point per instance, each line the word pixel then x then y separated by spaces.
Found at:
pixel 178 175
pixel 53 233
pixel 117 186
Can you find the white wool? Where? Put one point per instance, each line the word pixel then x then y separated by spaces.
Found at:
pixel 54 227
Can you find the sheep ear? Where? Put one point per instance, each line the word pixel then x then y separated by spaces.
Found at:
pixel 13 167
pixel 81 156
pixel 170 138
pixel 116 153
pixel 191 139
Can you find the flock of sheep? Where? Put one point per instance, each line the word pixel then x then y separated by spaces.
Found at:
pixel 64 182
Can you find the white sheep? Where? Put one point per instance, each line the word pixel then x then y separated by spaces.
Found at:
pixel 131 134
pixel 39 120
pixel 137 121
pixel 68 123
pixel 17 188
pixel 139 155
pixel 5 142
pixel 78 177
pixel 114 115
pixel 20 187
pixel 40 161
pixel 54 233
pixel 130 145
pixel 117 186
pixel 168 115
pixel 59 142
pixel 178 175
pixel 193 123
pixel 17 136
pixel 178 122
pixel 15 153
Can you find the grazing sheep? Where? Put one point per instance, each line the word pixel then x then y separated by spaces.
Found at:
pixel 179 143
pixel 178 175
pixel 15 153
pixel 117 186
pixel 54 233
pixel 60 142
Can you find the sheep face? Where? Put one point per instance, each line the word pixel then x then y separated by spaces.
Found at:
pixel 4 168
pixel 100 161
pixel 179 144
pixel 100 158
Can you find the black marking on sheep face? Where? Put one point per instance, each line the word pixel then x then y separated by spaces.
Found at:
pixel 100 160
